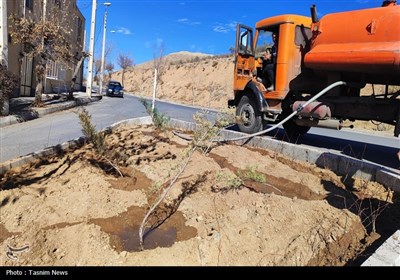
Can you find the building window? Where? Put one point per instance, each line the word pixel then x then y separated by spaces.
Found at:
pixel 56 71
pixel 52 70
pixel 29 4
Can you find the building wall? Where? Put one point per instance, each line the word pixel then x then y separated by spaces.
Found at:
pixel 63 13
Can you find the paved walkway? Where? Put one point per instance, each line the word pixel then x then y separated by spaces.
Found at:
pixel 21 108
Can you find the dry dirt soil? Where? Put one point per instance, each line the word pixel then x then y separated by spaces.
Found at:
pixel 231 206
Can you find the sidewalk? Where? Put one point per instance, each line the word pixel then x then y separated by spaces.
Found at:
pixel 21 109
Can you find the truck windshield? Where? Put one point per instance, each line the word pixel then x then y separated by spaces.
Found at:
pixel 264 41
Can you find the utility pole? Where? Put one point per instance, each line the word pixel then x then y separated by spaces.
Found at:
pixel 89 78
pixel 3 33
pixel 44 21
pixel 107 4
pixel 154 91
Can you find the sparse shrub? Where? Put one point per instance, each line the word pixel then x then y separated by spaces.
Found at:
pixel 251 173
pixel 229 181
pixel 98 141
pixel 89 130
pixel 215 63
pixel 206 131
pixel 160 120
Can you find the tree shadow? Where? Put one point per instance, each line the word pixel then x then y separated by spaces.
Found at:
pixel 20 180
pixel 376 215
pixel 164 212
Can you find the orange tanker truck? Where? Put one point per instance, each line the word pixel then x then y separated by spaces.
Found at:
pixel 320 68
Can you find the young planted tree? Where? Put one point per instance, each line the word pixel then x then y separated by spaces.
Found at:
pixel 203 139
pixel 109 68
pixel 44 40
pixel 159 68
pixel 124 61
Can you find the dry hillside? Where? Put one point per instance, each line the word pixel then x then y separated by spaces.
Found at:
pixel 188 78
pixel 203 80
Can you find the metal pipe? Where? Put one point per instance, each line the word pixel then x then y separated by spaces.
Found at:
pixel 330 123
pixel 299 109
pixel 314 15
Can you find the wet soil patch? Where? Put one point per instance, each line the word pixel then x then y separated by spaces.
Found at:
pixel 139 182
pixel 279 186
pixel 123 230
pixel 4 233
pixel 324 174
pixel 284 187
pixel 61 225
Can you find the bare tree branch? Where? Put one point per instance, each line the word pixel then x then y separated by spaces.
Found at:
pixel 124 61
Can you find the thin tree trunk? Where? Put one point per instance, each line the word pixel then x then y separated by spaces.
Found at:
pixel 40 72
pixel 38 93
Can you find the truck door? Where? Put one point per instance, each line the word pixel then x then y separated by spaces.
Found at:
pixel 244 56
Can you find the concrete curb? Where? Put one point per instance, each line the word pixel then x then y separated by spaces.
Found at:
pixel 40 112
pixel 388 254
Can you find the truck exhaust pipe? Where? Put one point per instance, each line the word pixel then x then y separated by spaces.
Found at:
pixel 330 123
pixel 314 16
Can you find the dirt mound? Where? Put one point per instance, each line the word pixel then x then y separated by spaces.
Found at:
pixel 233 206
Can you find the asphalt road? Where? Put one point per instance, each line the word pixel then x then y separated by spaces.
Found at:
pixel 31 136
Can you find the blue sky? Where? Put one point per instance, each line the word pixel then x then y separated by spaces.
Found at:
pixel 197 26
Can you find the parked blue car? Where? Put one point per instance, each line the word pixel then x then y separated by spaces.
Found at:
pixel 115 88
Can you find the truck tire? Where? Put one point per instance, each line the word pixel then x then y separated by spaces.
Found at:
pixel 250 117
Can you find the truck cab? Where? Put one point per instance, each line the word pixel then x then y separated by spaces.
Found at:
pixel 293 37
pixel 321 67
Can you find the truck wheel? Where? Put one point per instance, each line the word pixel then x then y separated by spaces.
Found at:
pixel 293 131
pixel 250 117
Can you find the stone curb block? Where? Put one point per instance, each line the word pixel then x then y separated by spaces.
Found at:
pixel 40 112
pixel 388 254
pixel 8 120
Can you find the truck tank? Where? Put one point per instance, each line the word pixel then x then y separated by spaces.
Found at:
pixel 362 45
